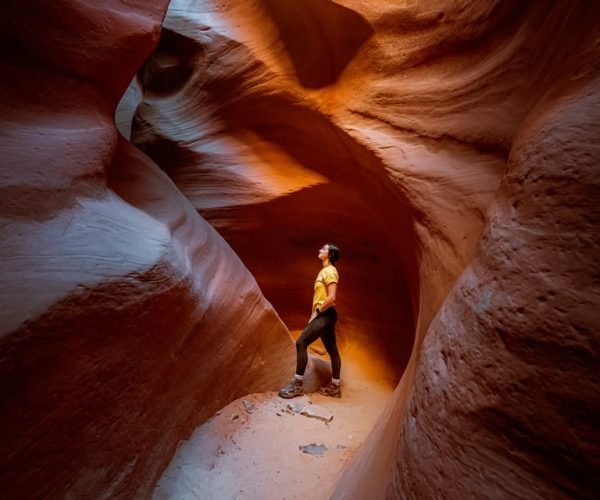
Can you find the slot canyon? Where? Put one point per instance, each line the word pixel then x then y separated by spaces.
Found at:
pixel 168 172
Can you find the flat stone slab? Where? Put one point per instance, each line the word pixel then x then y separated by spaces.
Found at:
pixel 248 406
pixel 310 410
pixel 314 411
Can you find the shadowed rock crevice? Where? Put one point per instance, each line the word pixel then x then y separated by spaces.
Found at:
pixel 171 64
pixel 320 36
pixel 479 145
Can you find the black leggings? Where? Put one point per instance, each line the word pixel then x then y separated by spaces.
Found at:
pixel 322 326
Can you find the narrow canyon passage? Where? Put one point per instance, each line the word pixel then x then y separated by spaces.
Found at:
pixel 255 453
pixel 168 171
pixel 247 456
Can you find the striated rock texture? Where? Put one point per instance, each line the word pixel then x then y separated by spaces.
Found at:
pixel 126 319
pixel 449 148
pixel 506 391
pixel 501 399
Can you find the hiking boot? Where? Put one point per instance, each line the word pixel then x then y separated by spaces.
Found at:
pixel 293 389
pixel 332 390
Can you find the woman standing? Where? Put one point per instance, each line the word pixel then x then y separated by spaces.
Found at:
pixel 321 324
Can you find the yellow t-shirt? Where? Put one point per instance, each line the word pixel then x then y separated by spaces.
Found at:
pixel 326 276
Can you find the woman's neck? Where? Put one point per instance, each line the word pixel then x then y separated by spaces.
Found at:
pixel 326 263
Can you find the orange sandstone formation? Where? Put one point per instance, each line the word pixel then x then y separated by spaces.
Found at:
pixel 500 398
pixel 435 142
pixel 126 319
pixel 449 147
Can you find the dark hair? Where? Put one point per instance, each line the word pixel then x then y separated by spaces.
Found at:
pixel 334 253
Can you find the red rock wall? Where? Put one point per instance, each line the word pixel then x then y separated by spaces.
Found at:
pixel 450 148
pixel 378 141
pixel 505 394
pixel 500 400
pixel 399 131
pixel 126 319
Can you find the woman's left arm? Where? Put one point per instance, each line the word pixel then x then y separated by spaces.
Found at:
pixel 330 300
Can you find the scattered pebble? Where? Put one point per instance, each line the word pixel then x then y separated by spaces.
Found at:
pixel 248 405
pixel 233 417
pixel 313 449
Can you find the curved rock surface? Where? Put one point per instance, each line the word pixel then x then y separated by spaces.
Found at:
pixel 399 179
pixel 449 147
pixel 415 129
pixel 506 384
pixel 501 400
pixel 120 305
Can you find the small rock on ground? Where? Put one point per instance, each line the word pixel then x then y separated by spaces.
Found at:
pixel 313 449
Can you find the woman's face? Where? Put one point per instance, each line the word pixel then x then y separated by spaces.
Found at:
pixel 324 253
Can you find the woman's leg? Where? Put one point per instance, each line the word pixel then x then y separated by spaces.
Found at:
pixel 331 346
pixel 311 332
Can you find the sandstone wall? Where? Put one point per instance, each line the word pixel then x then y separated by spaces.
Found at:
pixel 120 306
pixel 500 399
pixel 413 134
pixel 450 149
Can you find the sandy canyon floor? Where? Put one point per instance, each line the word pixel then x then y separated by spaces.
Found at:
pixel 255 452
